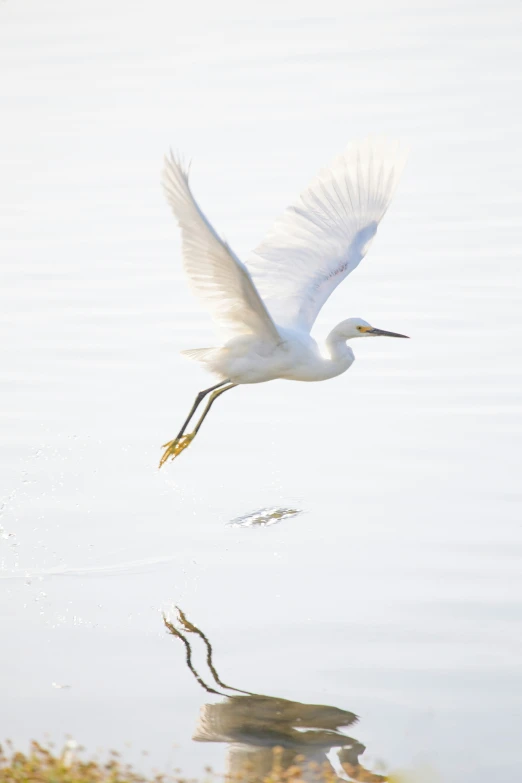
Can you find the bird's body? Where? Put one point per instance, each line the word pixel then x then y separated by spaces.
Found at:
pixel 266 309
pixel 296 357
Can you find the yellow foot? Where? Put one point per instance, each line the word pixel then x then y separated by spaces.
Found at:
pixel 174 447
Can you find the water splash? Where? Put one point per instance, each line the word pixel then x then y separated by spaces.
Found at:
pixel 264 517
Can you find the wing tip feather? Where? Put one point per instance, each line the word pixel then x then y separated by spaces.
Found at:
pixel 176 169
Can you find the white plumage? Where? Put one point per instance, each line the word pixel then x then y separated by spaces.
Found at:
pixel 321 238
pixel 266 308
pixel 217 275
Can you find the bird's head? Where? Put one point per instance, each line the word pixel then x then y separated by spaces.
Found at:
pixel 356 327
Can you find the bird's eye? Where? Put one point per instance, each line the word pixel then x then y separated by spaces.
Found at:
pixel 359 328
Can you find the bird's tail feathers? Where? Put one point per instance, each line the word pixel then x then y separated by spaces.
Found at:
pixel 199 354
pixel 208 357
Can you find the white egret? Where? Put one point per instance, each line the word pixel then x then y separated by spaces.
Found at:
pixel 266 308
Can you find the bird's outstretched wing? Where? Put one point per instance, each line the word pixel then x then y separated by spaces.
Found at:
pixel 217 276
pixel 321 238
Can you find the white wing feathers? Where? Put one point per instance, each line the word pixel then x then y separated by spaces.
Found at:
pixel 320 239
pixel 217 276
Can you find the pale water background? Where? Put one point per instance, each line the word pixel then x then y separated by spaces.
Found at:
pixel 397 593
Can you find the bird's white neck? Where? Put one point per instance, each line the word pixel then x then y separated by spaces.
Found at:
pixel 340 354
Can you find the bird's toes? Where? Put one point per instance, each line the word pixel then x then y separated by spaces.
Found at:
pixel 174 447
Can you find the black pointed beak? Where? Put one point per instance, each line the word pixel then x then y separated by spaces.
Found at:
pixel 383 333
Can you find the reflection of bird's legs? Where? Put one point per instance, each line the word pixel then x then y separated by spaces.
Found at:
pixel 181 441
pixel 191 628
pixel 188 650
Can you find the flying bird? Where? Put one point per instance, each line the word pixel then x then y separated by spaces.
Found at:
pixel 266 308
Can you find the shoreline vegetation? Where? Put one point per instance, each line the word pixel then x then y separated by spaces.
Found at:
pixel 43 764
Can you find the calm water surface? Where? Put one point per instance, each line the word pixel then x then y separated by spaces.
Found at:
pixel 396 593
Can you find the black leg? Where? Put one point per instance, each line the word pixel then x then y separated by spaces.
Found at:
pixel 197 401
pixel 213 398
pixel 174 447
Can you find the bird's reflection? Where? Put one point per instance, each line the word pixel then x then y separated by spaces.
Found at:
pixel 269 736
